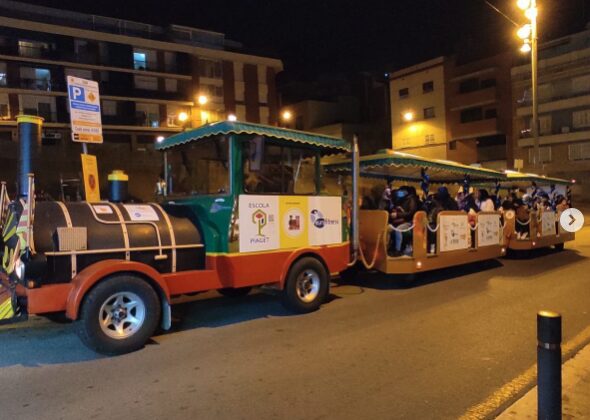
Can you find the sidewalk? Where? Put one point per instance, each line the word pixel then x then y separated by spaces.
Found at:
pixel 576 392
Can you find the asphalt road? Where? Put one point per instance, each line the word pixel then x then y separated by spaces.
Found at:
pixel 381 348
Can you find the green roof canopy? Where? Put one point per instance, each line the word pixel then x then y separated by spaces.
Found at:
pixel 325 143
pixel 519 178
pixel 406 167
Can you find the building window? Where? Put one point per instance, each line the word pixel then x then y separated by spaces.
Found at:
pixel 471 114
pixel 83 74
pixel 211 69
pixel 469 85
pixel 427 87
pixel 212 91
pixel 3 80
pixel 172 114
pixel 140 60
pixel 579 151
pixel 148 115
pixel 545 124
pixel 171 85
pixel 33 49
pixel 581 119
pixel 453 145
pixel 429 139
pixel 145 82
pixel 404 93
pixel 44 106
pixel 299 122
pixel 544 153
pixel 33 78
pixel 487 83
pixel 581 84
pixel 109 108
pixel 429 113
pixel 4 107
pixel 490 113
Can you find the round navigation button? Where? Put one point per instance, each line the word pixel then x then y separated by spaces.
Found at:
pixel 572 220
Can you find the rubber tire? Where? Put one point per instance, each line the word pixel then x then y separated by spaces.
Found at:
pixel 559 247
pixel 235 292
pixel 290 298
pixel 89 330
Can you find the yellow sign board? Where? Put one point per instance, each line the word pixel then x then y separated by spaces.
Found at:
pixel 90 173
pixel 294 230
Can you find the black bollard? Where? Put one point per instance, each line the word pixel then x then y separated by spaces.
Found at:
pixel 549 365
pixel 29 137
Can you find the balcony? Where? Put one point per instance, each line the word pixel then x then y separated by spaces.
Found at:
pixel 474 98
pixel 42 84
pixel 555 103
pixel 555 136
pixel 475 129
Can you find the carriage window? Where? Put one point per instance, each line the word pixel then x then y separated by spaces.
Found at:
pixel 270 168
pixel 199 167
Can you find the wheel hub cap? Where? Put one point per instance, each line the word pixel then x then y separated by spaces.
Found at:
pixel 121 315
pixel 308 286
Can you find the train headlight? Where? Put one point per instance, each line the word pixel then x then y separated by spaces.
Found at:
pixel 19 269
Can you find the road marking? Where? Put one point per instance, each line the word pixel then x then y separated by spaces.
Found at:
pixel 516 388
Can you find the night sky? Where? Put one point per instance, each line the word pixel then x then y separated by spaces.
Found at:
pixel 326 36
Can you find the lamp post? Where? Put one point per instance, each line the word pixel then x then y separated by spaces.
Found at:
pixel 286 117
pixel 528 33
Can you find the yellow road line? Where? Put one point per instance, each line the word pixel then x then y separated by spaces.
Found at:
pixel 505 396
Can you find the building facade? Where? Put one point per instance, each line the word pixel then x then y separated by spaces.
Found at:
pixel 418 109
pixel 342 106
pixel 479 110
pixel 564 109
pixel 154 81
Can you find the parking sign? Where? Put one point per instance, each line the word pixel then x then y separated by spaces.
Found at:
pixel 84 101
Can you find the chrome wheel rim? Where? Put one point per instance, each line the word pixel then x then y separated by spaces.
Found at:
pixel 308 285
pixel 121 315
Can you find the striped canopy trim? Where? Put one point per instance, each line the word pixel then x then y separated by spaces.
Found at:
pixel 327 143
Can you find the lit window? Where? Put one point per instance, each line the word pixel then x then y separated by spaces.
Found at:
pixel 139 60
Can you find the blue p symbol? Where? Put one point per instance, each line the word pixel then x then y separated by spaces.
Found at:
pixel 77 93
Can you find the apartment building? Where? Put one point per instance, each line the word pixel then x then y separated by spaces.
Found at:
pixel 418 109
pixel 479 110
pixel 564 109
pixel 154 81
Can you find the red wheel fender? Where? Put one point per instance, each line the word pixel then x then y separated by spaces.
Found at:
pixel 96 272
pixel 294 257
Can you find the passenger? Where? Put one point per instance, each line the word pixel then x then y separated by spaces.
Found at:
pixel 484 201
pixel 442 201
pixel 522 218
pixel 561 203
pixel 406 204
pixel 386 201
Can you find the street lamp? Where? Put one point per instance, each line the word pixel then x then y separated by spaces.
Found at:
pixel 408 116
pixel 286 115
pixel 182 117
pixel 202 99
pixel 528 33
pixel 232 117
pixel 160 139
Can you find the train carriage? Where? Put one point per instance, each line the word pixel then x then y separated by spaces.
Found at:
pixel 454 238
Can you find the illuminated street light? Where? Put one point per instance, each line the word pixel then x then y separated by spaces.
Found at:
pixel 529 34
pixel 408 116
pixel 232 117
pixel 526 48
pixel 182 117
pixel 524 32
pixel 160 139
pixel 202 99
pixel 286 115
pixel 523 4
